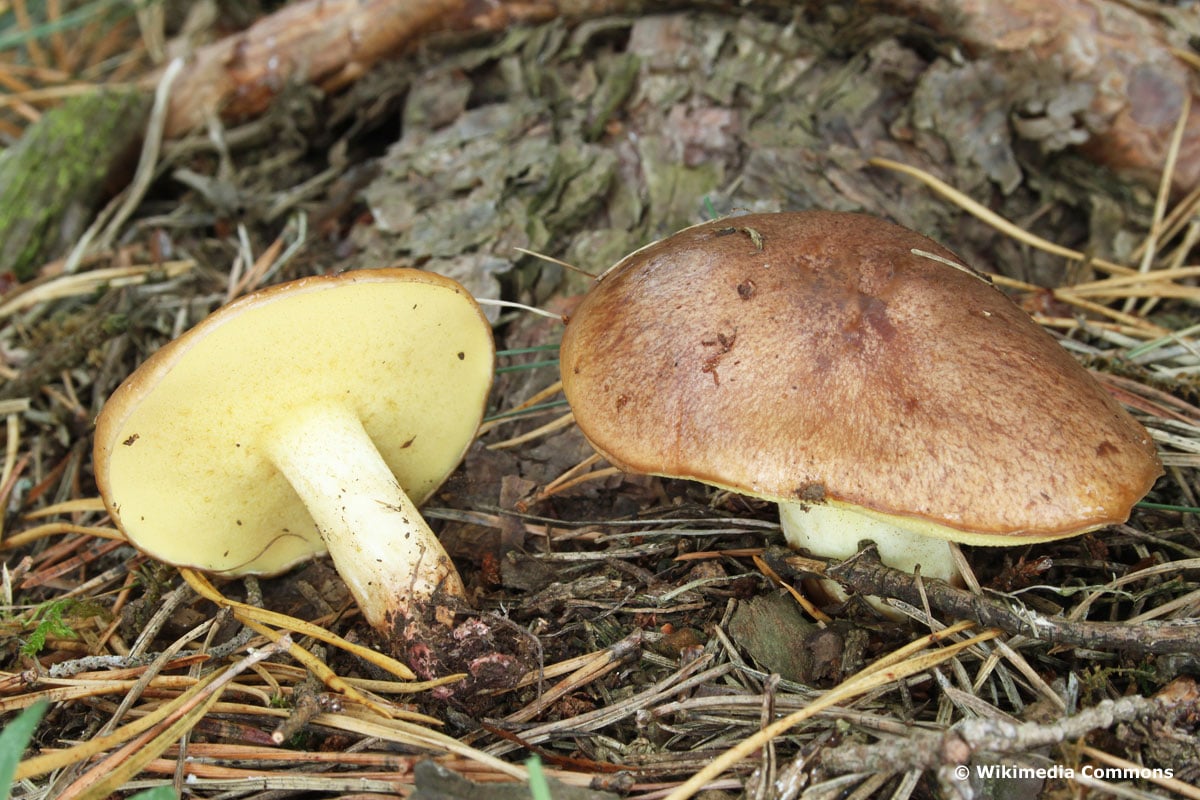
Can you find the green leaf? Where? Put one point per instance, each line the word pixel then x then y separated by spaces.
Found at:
pixel 539 788
pixel 12 744
pixel 157 793
pixel 51 623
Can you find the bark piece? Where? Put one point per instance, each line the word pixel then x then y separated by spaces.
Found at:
pixel 1138 86
pixel 771 628
pixel 52 177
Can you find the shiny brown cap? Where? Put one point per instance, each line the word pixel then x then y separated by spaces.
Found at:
pixel 819 356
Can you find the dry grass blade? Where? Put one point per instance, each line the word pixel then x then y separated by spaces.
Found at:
pixel 253 278
pixel 688 676
pixel 28 99
pixel 246 612
pixel 577 664
pixel 553 260
pixel 63 689
pixel 995 220
pixel 13 462
pixel 86 283
pixel 54 528
pixel 1160 202
pixel 1065 294
pixel 1112 285
pixel 515 413
pixel 1130 320
pixel 67 507
pixel 405 733
pixel 1182 214
pixel 1128 767
pixel 110 773
pixel 108 223
pixel 899 655
pixel 1172 568
pixel 894 667
pixel 558 424
pixel 604 662
pixel 809 607
pixel 574 476
pixel 165 714
pixel 26 24
pixel 322 671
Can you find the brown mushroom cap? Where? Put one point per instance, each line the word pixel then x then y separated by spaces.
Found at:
pixel 820 356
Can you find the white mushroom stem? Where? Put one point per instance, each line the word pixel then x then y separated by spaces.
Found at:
pixel 832 531
pixel 380 544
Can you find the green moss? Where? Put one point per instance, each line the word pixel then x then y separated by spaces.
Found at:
pixel 58 169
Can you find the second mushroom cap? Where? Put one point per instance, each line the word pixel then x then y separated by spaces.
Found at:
pixel 837 358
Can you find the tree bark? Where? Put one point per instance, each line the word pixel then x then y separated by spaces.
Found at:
pixel 51 179
pixel 1140 87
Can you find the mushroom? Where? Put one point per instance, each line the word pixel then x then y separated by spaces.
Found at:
pixel 858 374
pixel 308 417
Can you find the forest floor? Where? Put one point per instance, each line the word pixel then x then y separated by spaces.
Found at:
pixel 656 609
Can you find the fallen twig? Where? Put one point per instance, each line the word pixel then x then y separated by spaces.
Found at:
pixel 867 575
pixel 958 743
pixel 901 664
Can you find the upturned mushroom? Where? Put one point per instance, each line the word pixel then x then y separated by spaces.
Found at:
pixel 308 417
pixel 858 374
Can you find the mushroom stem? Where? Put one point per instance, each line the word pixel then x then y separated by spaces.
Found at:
pixel 380 544
pixel 832 531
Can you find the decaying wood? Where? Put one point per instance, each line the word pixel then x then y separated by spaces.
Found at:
pixel 327 44
pixel 331 44
pixel 50 180
pixel 1138 86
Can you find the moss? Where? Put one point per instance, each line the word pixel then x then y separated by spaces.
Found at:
pixel 57 172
